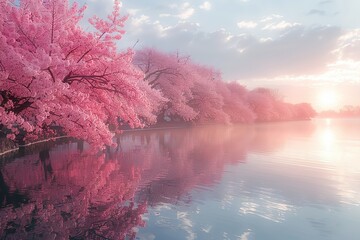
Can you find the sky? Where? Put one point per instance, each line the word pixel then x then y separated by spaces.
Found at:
pixel 309 51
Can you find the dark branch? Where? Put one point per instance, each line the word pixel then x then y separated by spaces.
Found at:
pixel 71 51
pixel 84 55
pixel 52 25
pixel 51 74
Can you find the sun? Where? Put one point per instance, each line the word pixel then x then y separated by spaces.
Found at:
pixel 327 99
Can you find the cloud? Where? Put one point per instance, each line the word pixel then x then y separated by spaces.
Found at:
pixel 205 6
pixel 161 9
pixel 299 50
pixel 272 22
pixel 186 11
pixel 349 45
pixel 143 19
pixel 276 22
pixel 282 25
pixel 245 236
pixel 247 24
pixel 316 12
pixel 270 18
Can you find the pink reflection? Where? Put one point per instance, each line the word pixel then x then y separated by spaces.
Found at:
pixel 70 196
pixel 181 159
pixel 81 195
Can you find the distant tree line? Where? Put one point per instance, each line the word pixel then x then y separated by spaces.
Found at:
pixel 346 111
pixel 196 93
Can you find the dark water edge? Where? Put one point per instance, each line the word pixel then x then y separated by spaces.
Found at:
pixel 12 151
pixel 296 180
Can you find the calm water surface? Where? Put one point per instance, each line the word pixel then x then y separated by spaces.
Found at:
pixel 283 181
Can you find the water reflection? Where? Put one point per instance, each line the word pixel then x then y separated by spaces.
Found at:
pixel 70 197
pixel 211 182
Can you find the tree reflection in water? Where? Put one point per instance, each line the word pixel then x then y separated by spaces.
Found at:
pixel 65 193
pixel 71 196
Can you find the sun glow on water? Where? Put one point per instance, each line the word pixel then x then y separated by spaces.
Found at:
pixel 328 138
pixel 327 142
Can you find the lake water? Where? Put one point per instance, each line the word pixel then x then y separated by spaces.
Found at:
pixel 283 181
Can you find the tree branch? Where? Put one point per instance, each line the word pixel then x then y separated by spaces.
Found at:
pixel 51 74
pixel 27 37
pixel 159 72
pixel 84 55
pixel 71 51
pixel 52 26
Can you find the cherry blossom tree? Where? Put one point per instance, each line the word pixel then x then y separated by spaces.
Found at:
pixel 207 100
pixel 261 101
pixel 172 75
pixel 269 106
pixel 304 111
pixel 235 105
pixel 53 73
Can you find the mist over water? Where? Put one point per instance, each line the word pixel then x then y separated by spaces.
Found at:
pixel 288 180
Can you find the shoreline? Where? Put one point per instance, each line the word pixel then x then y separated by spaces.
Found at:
pixel 30 144
pixel 15 149
pixel 159 127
